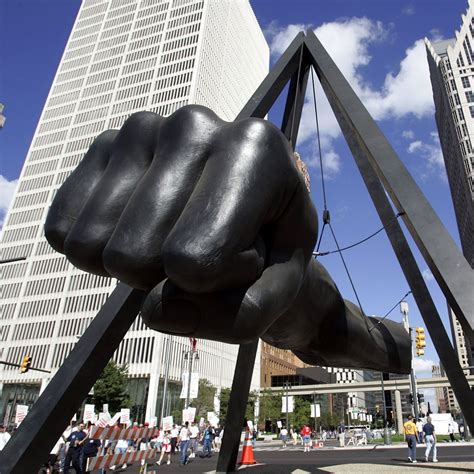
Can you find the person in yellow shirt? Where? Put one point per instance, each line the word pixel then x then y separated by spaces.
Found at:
pixel 411 437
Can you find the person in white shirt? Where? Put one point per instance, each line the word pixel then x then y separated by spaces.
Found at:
pixel 174 438
pixel 284 436
pixel 4 437
pixel 183 441
pixel 193 439
pixel 419 428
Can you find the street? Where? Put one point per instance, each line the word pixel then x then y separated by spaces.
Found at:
pixel 380 459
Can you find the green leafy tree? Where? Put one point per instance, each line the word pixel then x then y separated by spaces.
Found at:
pixel 270 407
pixel 250 408
pixel 205 400
pixel 224 403
pixel 329 421
pixel 111 388
pixel 301 413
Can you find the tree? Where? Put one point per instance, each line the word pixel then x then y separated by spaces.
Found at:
pixel 224 403
pixel 270 407
pixel 250 408
pixel 111 387
pixel 205 399
pixel 301 413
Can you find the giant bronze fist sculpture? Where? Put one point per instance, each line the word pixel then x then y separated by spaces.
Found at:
pixel 214 221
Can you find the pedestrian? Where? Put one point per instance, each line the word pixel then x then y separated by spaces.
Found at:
pixel 430 440
pixel 451 432
pixel 165 448
pixel 174 438
pixel 342 434
pixel 90 450
pixel 409 428
pixel 218 439
pixel 73 456
pixel 462 431
pixel 51 463
pixel 419 429
pixel 254 437
pixel 193 439
pixel 208 437
pixel 306 435
pixel 294 436
pixel 183 442
pixel 284 436
pixel 4 437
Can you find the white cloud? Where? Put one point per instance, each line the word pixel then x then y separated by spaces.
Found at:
pixel 431 153
pixel 7 188
pixel 351 55
pixel 408 10
pixel 409 134
pixel 423 365
pixel 427 275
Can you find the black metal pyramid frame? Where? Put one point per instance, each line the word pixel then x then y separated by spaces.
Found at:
pixel 382 171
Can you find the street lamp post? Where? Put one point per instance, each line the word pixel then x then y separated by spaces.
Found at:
pixel 191 354
pixel 165 384
pixel 404 311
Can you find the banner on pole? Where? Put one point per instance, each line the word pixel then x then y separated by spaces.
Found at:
pixel 279 424
pixel 290 404
pixel 20 414
pixel 125 416
pixel 318 410
pixel 167 423
pixel 193 393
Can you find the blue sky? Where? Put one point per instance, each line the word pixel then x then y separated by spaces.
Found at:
pixel 378 46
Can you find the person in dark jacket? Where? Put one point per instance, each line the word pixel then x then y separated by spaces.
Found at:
pixel 90 450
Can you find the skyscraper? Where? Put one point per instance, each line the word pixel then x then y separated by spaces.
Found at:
pixel 122 56
pixel 451 64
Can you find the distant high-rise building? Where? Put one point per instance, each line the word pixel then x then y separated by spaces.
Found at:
pixel 440 392
pixel 451 64
pixel 122 56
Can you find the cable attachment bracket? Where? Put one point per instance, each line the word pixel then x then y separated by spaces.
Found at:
pixel 326 217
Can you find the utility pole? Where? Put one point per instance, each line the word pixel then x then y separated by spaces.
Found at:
pixel 287 388
pixel 191 354
pixel 165 384
pixel 413 389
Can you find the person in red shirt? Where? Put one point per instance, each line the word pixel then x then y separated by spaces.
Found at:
pixel 306 435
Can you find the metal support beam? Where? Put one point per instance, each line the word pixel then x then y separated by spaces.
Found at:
pixel 295 101
pixel 69 387
pixel 236 409
pixel 364 141
pixel 451 270
pixel 270 88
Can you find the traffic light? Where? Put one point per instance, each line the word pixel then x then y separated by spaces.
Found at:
pixel 421 398
pixel 26 364
pixel 420 342
pixel 411 399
